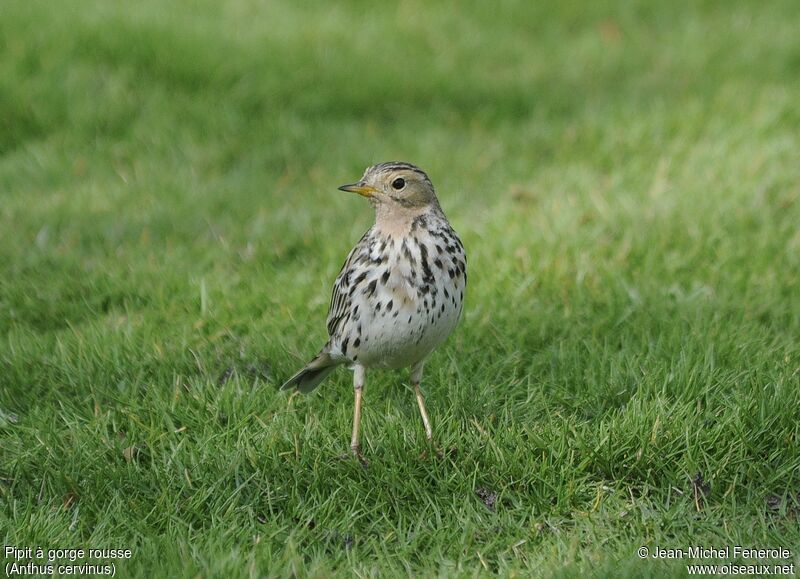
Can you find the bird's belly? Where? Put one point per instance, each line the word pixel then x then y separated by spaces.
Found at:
pixel 397 341
pixel 404 299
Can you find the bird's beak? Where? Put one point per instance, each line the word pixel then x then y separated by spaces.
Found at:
pixel 361 188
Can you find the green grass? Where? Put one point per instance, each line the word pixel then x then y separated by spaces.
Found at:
pixel 625 177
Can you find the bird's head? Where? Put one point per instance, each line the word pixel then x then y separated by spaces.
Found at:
pixel 394 186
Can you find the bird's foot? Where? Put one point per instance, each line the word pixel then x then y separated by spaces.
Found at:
pixel 433 451
pixel 437 452
pixel 355 452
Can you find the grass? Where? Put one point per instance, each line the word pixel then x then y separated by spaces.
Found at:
pixel 624 176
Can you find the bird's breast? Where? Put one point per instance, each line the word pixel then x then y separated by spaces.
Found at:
pixel 415 302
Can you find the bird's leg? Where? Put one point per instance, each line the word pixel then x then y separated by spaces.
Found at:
pixel 416 378
pixel 358 385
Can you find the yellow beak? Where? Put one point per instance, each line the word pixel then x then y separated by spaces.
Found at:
pixel 361 188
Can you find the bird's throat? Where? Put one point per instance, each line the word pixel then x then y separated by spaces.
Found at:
pixel 397 221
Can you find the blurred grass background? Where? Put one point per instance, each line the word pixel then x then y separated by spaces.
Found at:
pixel 624 175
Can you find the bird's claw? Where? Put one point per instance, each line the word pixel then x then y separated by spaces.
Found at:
pixel 439 453
pixel 355 452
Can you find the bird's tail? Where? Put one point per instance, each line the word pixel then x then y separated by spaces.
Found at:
pixel 312 374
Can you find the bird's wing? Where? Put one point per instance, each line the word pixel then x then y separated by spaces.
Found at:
pixel 341 295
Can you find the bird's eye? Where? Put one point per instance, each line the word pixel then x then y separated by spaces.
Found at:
pixel 399 183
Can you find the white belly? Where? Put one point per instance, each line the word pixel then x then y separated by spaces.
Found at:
pixel 404 298
pixel 397 341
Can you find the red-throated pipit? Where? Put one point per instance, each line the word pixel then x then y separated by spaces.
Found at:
pixel 400 291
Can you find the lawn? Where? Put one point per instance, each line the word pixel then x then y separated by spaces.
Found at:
pixel 625 177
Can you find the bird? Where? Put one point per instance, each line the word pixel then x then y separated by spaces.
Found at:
pixel 400 292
